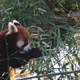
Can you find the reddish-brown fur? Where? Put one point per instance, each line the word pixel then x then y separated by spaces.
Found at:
pixel 23 34
pixel 2 47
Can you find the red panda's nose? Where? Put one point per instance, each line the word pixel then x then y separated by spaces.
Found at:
pixel 27 48
pixel 23 46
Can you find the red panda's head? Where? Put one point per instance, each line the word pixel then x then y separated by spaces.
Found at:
pixel 18 35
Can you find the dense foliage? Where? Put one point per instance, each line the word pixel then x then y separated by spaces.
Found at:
pixel 52 24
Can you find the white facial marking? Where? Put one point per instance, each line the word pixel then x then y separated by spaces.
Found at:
pixel 20 43
pixel 15 21
pixel 27 48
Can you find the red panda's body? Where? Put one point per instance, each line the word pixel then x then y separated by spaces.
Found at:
pixel 2 41
pixel 15 47
pixel 11 42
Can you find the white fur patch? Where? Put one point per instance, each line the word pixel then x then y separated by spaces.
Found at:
pixel 20 43
pixel 15 21
pixel 27 48
pixel 11 28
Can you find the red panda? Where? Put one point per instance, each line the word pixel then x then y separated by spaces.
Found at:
pixel 19 35
pixel 13 39
pixel 15 46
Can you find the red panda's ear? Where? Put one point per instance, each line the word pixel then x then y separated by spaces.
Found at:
pixel 11 28
pixel 15 22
